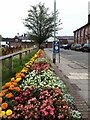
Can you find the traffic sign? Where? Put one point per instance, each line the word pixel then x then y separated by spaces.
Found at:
pixel 56 47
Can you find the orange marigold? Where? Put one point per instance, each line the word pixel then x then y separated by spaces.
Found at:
pixel 23 75
pixel 14 83
pixel 0 99
pixel 19 75
pixel 3 87
pixel 2 93
pixel 4 106
pixel 9 95
pixel 11 87
pixel 8 84
pixel 17 89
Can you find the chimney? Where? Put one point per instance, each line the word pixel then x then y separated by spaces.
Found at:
pixel 89 12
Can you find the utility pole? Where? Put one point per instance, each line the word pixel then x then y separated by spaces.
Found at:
pixel 54 55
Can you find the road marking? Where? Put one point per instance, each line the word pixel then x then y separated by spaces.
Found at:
pixel 78 76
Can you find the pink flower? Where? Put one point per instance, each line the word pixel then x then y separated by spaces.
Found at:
pixel 60 116
pixel 49 107
pixel 36 116
pixel 65 106
pixel 33 99
pixel 26 117
pixel 30 114
pixel 52 112
pixel 44 112
pixel 50 101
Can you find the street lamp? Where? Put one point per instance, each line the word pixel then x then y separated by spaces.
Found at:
pixel 54 55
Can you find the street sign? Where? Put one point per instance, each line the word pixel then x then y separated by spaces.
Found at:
pixel 56 47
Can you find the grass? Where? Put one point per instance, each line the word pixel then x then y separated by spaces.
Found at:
pixel 6 74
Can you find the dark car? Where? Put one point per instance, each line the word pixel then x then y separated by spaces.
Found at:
pixel 67 46
pixel 86 47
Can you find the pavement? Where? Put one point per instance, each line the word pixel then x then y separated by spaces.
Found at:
pixel 77 79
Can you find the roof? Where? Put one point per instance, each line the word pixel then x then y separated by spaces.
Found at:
pixel 82 27
pixel 51 39
pixel 65 37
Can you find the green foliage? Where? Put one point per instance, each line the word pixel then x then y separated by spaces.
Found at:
pixel 6 74
pixel 41 23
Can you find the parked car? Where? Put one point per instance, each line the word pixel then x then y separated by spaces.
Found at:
pixel 67 46
pixel 73 46
pixel 78 47
pixel 61 46
pixel 86 47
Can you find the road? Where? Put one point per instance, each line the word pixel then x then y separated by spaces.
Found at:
pixel 76 56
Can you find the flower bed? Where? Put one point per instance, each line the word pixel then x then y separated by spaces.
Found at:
pixel 36 93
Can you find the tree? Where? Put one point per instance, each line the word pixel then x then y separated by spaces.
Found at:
pixel 41 23
pixel 0 38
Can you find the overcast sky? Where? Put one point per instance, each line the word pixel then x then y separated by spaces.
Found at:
pixel 73 14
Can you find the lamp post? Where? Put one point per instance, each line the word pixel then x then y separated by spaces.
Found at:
pixel 54 55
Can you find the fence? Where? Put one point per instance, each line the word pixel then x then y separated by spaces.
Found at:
pixel 10 56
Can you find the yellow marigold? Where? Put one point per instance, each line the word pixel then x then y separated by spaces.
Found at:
pixel 12 79
pixel 9 95
pixel 30 63
pixel 24 70
pixel 9 112
pixel 18 79
pixel 0 109
pixel 28 66
pixel 2 113
pixel 35 55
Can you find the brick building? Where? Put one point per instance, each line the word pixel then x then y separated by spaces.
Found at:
pixel 82 34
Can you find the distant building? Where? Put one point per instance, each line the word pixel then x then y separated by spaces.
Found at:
pixel 63 40
pixel 18 41
pixel 66 39
pixel 82 34
pixel 48 42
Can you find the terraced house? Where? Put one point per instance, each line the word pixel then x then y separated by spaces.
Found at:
pixel 82 34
